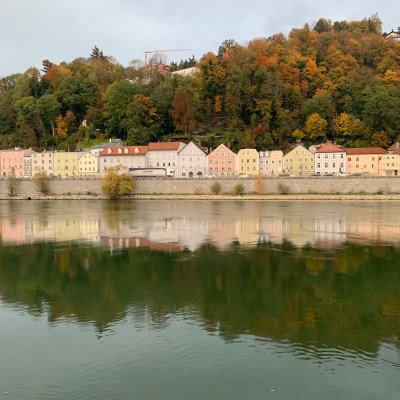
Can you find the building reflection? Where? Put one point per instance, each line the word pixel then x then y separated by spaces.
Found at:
pixel 163 227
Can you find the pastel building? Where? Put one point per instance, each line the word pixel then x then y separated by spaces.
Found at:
pixel 364 160
pixel 271 162
pixel 164 155
pixel 389 164
pixel 248 162
pixel 43 161
pixel 191 161
pixel 330 159
pixel 15 160
pixel 124 156
pixel 222 161
pixel 66 163
pixel 88 164
pixel 299 161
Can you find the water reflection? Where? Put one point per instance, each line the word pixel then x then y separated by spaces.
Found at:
pixel 175 226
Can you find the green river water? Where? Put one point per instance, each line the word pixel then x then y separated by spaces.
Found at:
pixel 199 300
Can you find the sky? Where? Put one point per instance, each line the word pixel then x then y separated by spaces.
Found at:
pixel 62 30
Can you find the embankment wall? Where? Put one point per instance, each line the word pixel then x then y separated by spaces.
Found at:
pixel 311 185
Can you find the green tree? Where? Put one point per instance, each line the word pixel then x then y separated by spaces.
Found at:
pixel 184 112
pixel 117 183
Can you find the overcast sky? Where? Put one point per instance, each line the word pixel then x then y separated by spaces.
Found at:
pixel 62 30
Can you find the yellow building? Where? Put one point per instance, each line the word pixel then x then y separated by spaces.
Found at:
pixel 66 163
pixel 248 162
pixel 299 161
pixel 88 164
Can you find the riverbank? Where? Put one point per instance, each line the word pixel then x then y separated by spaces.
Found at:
pixel 225 197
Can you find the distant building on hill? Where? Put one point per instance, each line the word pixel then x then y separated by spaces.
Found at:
pixel 392 36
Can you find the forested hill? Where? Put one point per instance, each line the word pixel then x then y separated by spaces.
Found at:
pixel 334 81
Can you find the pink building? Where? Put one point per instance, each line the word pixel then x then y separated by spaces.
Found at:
pixel 14 160
pixel 222 162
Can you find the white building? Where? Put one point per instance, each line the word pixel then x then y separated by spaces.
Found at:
pixel 191 161
pixel 330 159
pixel 123 156
pixel 164 155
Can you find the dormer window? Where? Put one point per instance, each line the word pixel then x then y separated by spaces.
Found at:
pixel 136 150
pixel 119 151
pixel 109 151
pixel 126 151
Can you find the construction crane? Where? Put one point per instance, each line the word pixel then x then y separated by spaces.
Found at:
pixel 147 52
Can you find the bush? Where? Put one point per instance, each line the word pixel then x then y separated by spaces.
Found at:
pixel 238 189
pixel 41 180
pixel 117 183
pixel 198 190
pixel 259 185
pixel 12 183
pixel 215 188
pixel 283 189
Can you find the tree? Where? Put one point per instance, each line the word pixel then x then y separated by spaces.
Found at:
pixel 41 181
pixel 298 135
pixel 48 108
pixel 380 139
pixel 61 127
pixel 117 183
pixel 316 127
pixel 184 112
pixel 12 183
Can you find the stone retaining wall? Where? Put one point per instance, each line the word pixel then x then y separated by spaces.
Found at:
pixel 311 185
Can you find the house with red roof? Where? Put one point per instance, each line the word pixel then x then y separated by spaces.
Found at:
pixel 330 159
pixel 124 156
pixel 363 160
pixel 164 155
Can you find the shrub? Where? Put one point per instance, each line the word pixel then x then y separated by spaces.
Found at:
pixel 238 189
pixel 41 180
pixel 259 185
pixel 215 188
pixel 198 190
pixel 283 189
pixel 12 183
pixel 117 183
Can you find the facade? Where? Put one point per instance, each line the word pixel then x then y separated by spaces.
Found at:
pixel 164 155
pixel 124 156
pixel 88 164
pixel 393 36
pixel 330 159
pixel 299 162
pixel 389 164
pixel 363 160
pixel 271 162
pixel 222 162
pixel 66 163
pixel 248 162
pixel 191 161
pixel 43 161
pixel 14 160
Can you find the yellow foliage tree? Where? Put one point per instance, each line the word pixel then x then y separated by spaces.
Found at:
pixel 316 126
pixel 117 183
pixel 61 127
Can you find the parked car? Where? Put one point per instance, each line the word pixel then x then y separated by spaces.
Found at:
pixel 243 176
pixel 316 174
pixel 209 175
pixel 284 175
pixel 357 174
pixel 342 174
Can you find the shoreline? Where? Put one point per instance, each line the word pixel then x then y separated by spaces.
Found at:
pixel 214 197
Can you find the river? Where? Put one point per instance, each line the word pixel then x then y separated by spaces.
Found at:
pixel 199 300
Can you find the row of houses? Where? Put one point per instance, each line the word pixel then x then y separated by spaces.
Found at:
pixel 181 160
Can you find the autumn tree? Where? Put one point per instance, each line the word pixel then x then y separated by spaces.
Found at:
pixel 117 183
pixel 184 112
pixel 316 127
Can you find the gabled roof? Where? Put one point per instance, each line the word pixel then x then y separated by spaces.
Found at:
pixel 193 144
pixel 165 146
pixel 330 148
pixel 394 146
pixel 364 150
pixel 222 147
pixel 124 151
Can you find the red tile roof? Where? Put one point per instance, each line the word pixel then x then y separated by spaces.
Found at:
pixel 124 150
pixel 394 146
pixel 164 145
pixel 364 150
pixel 330 148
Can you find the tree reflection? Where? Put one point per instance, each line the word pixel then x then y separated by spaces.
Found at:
pixel 348 297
